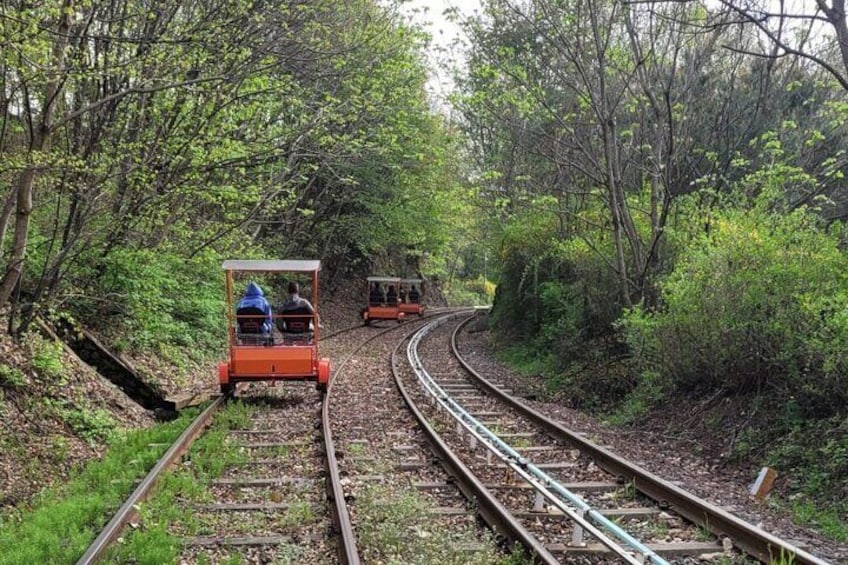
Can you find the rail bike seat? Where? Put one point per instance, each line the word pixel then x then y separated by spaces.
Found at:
pixel 249 320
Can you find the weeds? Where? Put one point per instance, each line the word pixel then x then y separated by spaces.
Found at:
pixel 64 520
pixel 400 528
pixel 12 378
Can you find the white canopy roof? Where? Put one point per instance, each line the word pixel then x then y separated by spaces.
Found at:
pixel 384 279
pixel 291 266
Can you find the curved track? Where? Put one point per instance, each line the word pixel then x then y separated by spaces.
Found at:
pixel 546 511
pixel 256 472
pixel 287 460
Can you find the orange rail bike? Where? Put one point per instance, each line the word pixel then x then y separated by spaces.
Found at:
pixel 410 296
pixel 383 299
pixel 287 348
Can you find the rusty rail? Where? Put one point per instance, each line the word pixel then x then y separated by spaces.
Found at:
pixel 128 509
pixel 754 541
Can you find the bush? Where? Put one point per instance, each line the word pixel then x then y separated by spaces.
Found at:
pixel 757 303
pixel 11 377
pixel 165 299
pixel 473 292
pixel 46 357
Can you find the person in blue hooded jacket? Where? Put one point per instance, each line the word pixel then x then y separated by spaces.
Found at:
pixel 253 303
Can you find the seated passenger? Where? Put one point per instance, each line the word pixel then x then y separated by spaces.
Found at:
pixel 253 313
pixel 375 297
pixel 402 293
pixel 296 313
pixel 391 296
pixel 414 297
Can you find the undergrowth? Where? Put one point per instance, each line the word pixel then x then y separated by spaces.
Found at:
pixel 153 541
pixel 63 521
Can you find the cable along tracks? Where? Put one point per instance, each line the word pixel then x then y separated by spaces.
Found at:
pixel 572 509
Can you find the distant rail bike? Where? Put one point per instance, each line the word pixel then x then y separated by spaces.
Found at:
pixel 267 343
pixel 411 291
pixel 383 300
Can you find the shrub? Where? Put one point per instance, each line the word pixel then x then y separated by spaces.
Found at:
pixel 164 298
pixel 46 357
pixel 758 302
pixel 12 377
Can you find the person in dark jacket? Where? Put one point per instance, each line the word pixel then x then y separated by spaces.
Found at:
pixel 391 296
pixel 299 311
pixel 253 302
pixel 376 298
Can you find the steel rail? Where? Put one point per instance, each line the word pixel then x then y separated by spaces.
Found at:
pixel 753 540
pixel 430 313
pixel 346 549
pixel 129 508
pixel 593 521
pixel 488 506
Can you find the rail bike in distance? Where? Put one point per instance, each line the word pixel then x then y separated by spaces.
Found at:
pixel 411 291
pixel 383 300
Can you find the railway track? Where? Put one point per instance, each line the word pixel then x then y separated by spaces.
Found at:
pixel 249 486
pixel 359 475
pixel 243 510
pixel 554 492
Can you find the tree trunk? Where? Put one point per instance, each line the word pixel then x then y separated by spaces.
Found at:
pixel 40 142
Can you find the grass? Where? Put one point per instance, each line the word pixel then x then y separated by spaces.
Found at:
pixel 400 528
pixel 64 520
pixel 829 521
pixel 174 503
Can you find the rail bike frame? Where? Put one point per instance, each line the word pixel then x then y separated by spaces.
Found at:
pixel 383 311
pixel 275 357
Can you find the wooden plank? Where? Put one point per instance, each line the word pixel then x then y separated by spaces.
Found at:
pixel 588 486
pixel 243 541
pixel 538 448
pixel 610 512
pixel 411 465
pixel 370 478
pixel 517 435
pixel 265 482
pixel 188 399
pixel 243 506
pixel 272 444
pixel 449 511
pixel 676 549
pixel 548 466
pixel 425 485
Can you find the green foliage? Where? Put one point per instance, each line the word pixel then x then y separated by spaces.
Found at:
pixel 46 357
pixel 555 291
pixel 228 148
pixel 816 472
pixel 471 292
pixel 65 519
pixel 12 377
pixel 164 299
pixel 89 424
pixel 650 389
pixel 757 303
